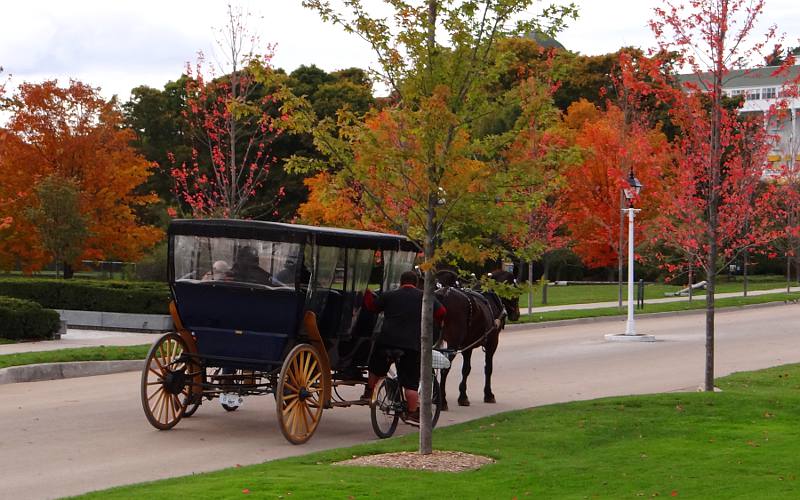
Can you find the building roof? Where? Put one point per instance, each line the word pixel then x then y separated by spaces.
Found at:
pixel 746 78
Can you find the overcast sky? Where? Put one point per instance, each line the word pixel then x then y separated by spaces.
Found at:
pixel 120 44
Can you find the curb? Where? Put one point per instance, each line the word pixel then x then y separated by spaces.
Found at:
pixel 621 317
pixel 55 371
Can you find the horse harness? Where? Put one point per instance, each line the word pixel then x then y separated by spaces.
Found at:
pixel 492 301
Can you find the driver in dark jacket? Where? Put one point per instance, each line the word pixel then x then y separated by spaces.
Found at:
pixel 402 319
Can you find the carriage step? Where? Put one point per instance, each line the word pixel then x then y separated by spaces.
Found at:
pixel 348 382
pixel 345 404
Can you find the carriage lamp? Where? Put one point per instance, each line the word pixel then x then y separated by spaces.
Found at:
pixel 631 192
pixel 633 189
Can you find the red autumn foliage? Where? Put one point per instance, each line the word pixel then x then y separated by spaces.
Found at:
pixel 233 128
pixel 610 148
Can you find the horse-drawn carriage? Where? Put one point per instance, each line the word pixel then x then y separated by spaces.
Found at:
pixel 268 308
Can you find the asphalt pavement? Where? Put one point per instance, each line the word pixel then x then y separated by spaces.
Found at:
pixel 70 436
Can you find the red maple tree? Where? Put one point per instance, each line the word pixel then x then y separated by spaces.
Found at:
pixel 714 188
pixel 612 144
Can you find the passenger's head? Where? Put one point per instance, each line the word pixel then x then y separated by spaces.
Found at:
pixel 221 266
pixel 247 256
pixel 408 278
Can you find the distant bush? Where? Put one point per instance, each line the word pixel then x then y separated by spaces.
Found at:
pixel 153 267
pixel 25 319
pixel 90 295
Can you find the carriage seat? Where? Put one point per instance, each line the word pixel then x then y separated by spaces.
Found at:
pixel 239 322
pixel 331 314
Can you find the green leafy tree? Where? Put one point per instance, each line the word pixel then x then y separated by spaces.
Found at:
pixel 62 227
pixel 439 58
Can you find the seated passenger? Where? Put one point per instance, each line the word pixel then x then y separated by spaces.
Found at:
pixel 219 271
pixel 288 274
pixel 246 268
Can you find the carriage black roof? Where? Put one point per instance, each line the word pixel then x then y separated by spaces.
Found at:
pixel 290 233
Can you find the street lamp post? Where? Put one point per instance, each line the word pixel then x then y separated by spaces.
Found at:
pixel 631 192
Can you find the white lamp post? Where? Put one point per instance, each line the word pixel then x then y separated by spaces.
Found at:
pixel 631 192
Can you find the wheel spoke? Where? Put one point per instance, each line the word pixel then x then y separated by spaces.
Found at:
pixel 160 405
pixel 306 425
pixel 160 366
pixel 311 370
pixel 290 405
pixel 308 410
pixel 159 391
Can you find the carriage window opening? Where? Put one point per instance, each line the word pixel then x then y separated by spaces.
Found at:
pixel 395 263
pixel 324 270
pixel 232 260
pixel 357 273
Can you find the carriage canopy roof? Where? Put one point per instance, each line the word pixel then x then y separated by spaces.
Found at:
pixel 290 233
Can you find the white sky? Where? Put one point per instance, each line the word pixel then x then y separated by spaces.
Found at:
pixel 119 44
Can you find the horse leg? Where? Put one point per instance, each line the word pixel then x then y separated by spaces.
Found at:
pixel 466 356
pixel 443 402
pixel 491 347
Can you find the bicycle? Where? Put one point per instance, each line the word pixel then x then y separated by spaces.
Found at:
pixel 388 403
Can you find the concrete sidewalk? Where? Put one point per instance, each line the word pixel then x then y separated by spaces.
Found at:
pixel 600 305
pixel 81 338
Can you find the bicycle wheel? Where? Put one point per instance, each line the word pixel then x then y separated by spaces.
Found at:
pixel 385 407
pixel 436 402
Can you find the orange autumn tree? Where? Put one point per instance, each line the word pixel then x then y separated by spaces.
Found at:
pixel 74 133
pixel 611 146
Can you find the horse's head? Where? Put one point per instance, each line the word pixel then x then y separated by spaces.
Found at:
pixel 511 305
pixel 446 277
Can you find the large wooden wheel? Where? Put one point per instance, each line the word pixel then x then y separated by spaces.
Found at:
pixel 298 397
pixel 165 382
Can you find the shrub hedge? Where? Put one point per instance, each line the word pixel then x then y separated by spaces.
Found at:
pixel 90 295
pixel 24 319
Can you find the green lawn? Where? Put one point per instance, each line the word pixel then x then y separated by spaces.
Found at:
pixel 739 443
pixel 100 353
pixel 584 294
pixel 538 317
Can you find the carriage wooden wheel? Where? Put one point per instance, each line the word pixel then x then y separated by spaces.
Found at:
pixel 165 382
pixel 299 394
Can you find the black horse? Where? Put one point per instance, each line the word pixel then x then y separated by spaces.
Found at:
pixel 474 319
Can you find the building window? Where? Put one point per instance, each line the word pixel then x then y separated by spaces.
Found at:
pixel 768 93
pixel 753 94
pixel 736 92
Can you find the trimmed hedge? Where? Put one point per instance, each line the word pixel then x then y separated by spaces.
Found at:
pixel 90 295
pixel 24 319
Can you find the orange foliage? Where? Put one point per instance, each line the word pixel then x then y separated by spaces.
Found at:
pixel 592 199
pixel 73 132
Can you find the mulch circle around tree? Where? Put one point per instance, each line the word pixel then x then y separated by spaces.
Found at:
pixel 438 461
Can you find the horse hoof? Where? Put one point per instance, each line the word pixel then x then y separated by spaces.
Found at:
pixel 463 402
pixel 444 406
pixel 489 399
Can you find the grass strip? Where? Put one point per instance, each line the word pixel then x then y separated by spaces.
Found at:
pixel 587 294
pixel 544 316
pixel 739 443
pixel 99 353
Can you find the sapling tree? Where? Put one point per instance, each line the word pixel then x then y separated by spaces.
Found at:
pixel 416 163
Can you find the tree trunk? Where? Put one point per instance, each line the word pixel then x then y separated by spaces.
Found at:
pixel 620 247
pixel 745 270
pixel 68 271
pixel 426 340
pixel 691 282
pixel 788 272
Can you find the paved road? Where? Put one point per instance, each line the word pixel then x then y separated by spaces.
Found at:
pixel 71 436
